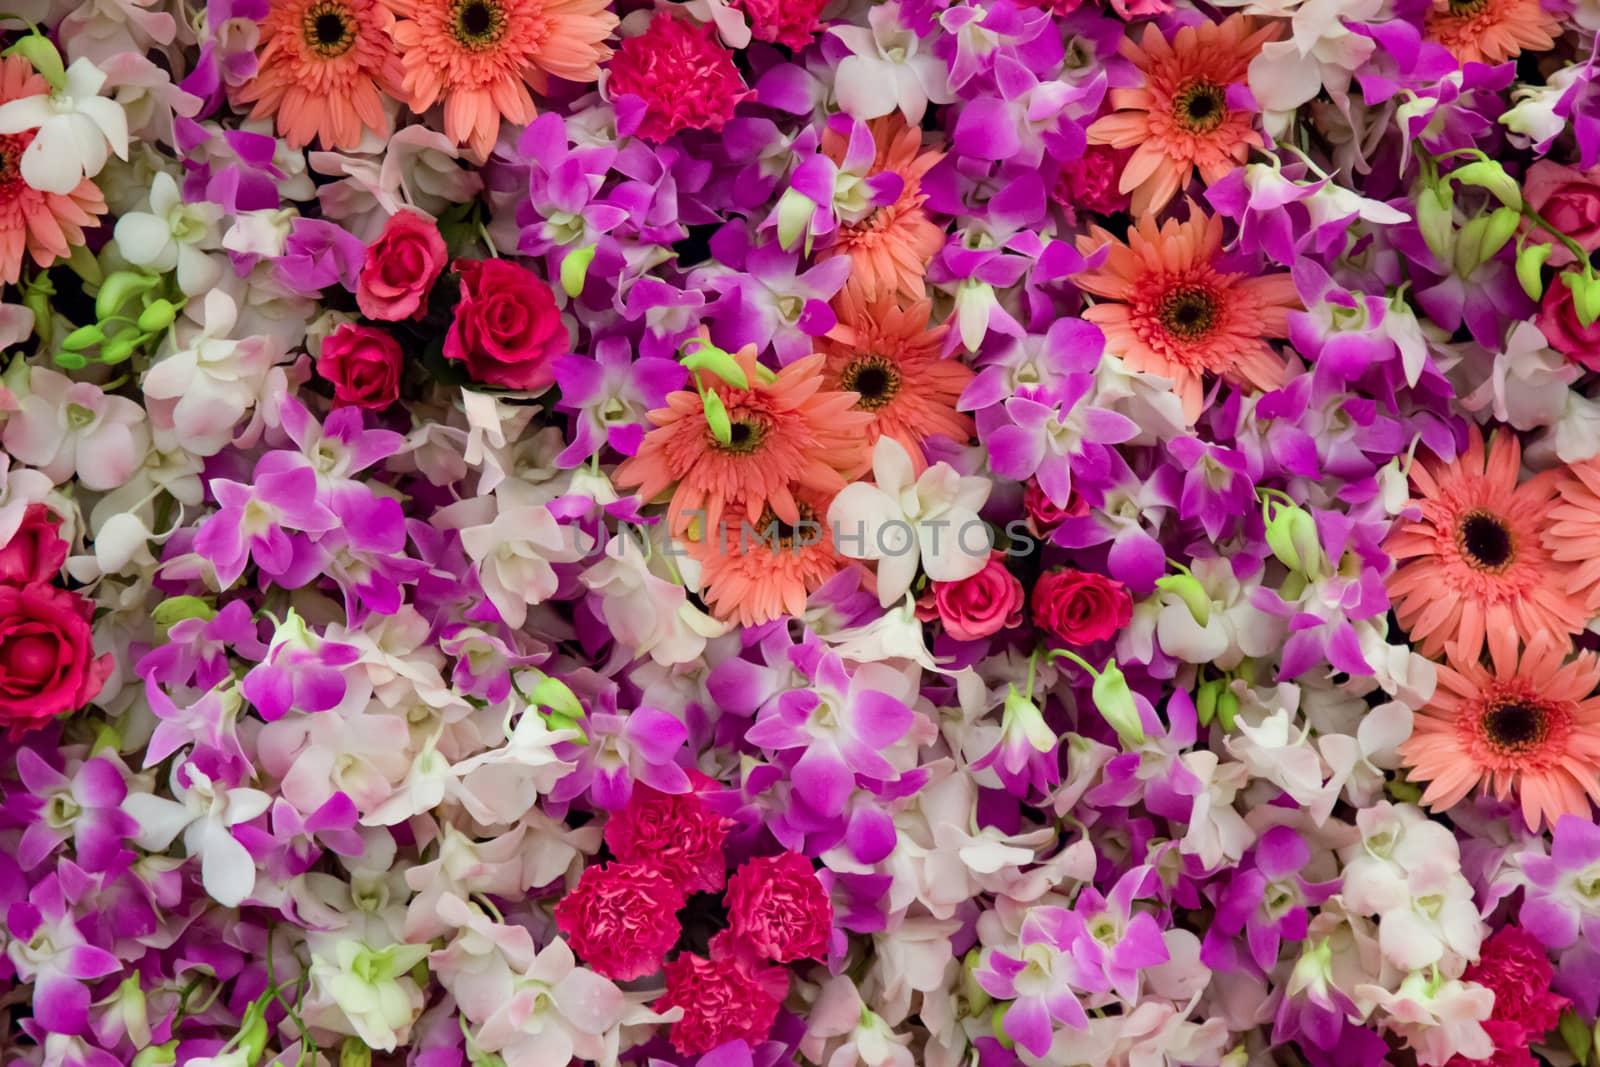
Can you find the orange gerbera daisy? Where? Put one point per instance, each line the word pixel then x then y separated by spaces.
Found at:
pixel 890 358
pixel 789 434
pixel 482 56
pixel 324 70
pixel 1172 313
pixel 1491 31
pixel 1179 120
pixel 890 249
pixel 1574 529
pixel 44 225
pixel 766 569
pixel 1477 561
pixel 1531 726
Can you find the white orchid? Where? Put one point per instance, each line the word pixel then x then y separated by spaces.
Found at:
pixel 78 129
pixel 905 520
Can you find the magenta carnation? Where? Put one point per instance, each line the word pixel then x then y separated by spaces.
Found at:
pixel 778 908
pixel 622 919
pixel 678 834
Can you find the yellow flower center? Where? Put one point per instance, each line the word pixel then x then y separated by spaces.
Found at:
pixel 328 29
pixel 1200 107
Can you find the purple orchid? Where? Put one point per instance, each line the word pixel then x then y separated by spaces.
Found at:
pixel 610 396
pixel 842 722
pixel 266 522
pixel 1266 902
pixel 301 671
pixel 83 802
pixel 50 951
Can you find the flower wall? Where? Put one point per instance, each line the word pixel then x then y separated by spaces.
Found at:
pixel 730 533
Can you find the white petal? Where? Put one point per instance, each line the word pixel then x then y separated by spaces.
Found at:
pixel 160 820
pixel 891 466
pixel 51 167
pixel 857 516
pixel 146 241
pixel 863 91
pixel 226 868
pixel 895 573
pixel 29 113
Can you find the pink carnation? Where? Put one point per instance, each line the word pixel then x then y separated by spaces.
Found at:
pixel 779 909
pixel 791 23
pixel 685 79
pixel 678 835
pixel 722 999
pixel 1516 967
pixel 622 919
pixel 1089 183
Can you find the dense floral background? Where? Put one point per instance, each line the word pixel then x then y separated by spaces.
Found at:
pixel 729 533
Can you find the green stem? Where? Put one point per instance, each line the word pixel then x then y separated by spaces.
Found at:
pixel 1074 657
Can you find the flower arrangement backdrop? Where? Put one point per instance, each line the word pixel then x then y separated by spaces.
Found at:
pixel 729 533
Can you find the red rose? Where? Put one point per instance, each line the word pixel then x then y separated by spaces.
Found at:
pixel 1558 321
pixel 35 551
pixel 363 363
pixel 622 919
pixel 1080 608
pixel 1044 515
pixel 1570 200
pixel 976 607
pixel 47 660
pixel 777 907
pixel 722 999
pixel 678 835
pixel 507 330
pixel 400 268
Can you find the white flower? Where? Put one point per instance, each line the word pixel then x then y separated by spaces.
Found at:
pixel 904 519
pixel 887 70
pixel 373 989
pixel 173 234
pixel 514 554
pixel 1233 627
pixel 202 391
pixel 203 813
pixel 66 427
pixel 78 129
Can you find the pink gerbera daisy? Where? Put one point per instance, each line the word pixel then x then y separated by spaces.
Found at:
pixel 1477 561
pixel 1169 310
pixel 1528 725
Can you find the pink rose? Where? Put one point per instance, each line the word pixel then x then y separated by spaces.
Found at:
pixel 35 551
pixel 678 834
pixel 507 330
pixel 777 907
pixel 976 607
pixel 47 660
pixel 363 364
pixel 1080 608
pixel 622 919
pixel 1043 514
pixel 1558 321
pixel 1569 199
pixel 400 268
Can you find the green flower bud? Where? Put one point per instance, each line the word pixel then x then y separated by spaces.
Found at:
pixel 795 212
pixel 253 1033
pixel 118 289
pixel 1585 295
pixel 1205 700
pixel 1488 174
pixel 555 694
pixel 354 1053
pixel 1187 588
pixel 1577 1035
pixel 997 1021
pixel 70 360
pixel 1436 220
pixel 717 419
pixel 157 316
pixel 1022 714
pixel 575 269
pixel 83 337
pixel 1114 700
pixel 38 50
pixel 157 1055
pixel 1530 267
pixel 121 347
pixel 1227 707
pixel 713 360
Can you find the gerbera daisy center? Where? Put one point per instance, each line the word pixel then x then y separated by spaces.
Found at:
pixel 1514 725
pixel 478 23
pixel 745 435
pixel 329 30
pixel 1467 8
pixel 1485 541
pixel 874 379
pixel 1188 312
pixel 1200 106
